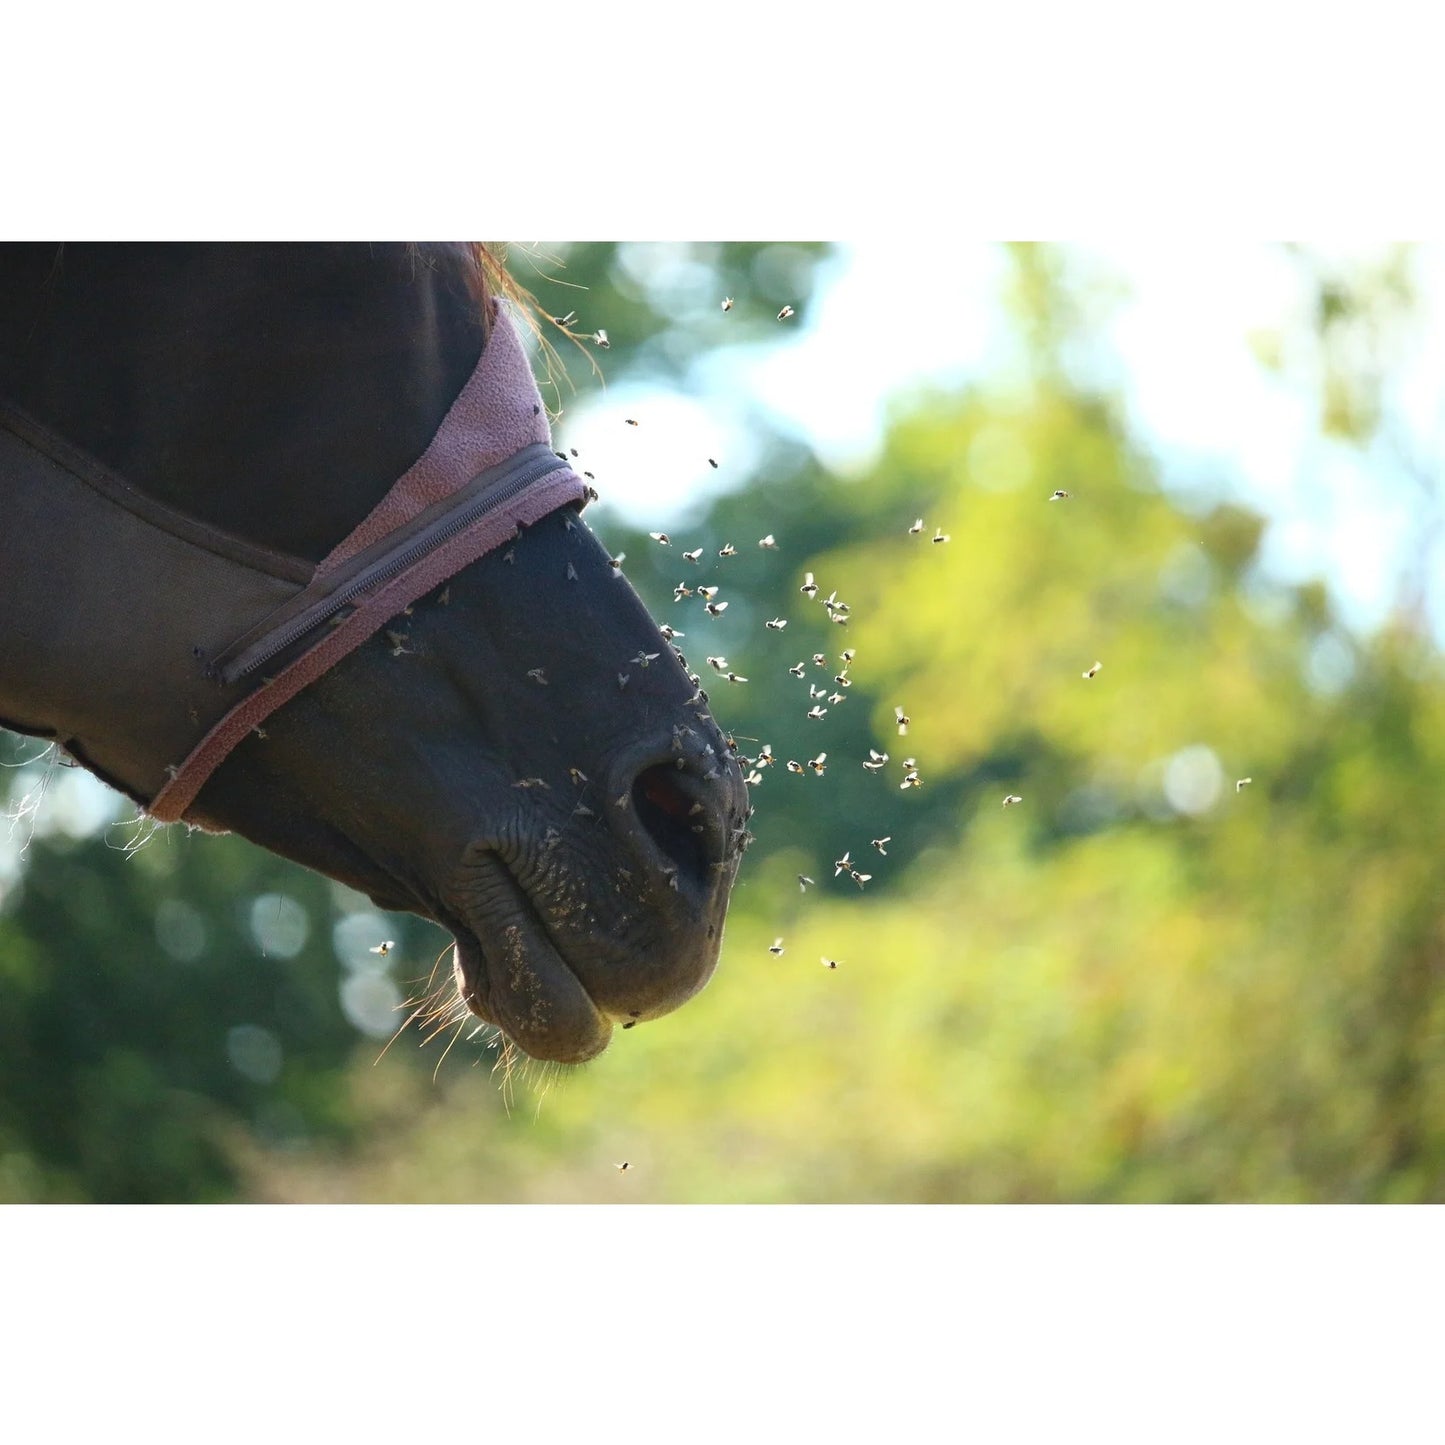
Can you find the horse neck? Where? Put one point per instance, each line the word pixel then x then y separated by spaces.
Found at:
pixel 273 391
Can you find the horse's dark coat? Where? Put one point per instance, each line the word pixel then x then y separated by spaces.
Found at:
pixel 275 392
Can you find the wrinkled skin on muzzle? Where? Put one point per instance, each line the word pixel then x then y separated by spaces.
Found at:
pixel 504 762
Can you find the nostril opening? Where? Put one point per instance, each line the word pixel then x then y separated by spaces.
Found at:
pixel 670 814
pixel 660 787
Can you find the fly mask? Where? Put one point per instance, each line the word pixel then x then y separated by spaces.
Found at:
pixel 149 644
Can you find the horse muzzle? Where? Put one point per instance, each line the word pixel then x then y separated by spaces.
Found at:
pixel 555 948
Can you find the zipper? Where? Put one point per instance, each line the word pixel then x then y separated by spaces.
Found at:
pixel 522 472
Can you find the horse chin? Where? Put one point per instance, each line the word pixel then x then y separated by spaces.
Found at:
pixel 511 974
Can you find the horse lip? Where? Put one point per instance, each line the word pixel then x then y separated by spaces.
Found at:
pixel 523 983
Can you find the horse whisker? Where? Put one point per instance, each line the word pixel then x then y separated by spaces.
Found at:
pixel 441 1028
pixel 400 1031
pixel 461 1024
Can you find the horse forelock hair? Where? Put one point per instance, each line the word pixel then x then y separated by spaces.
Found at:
pixel 491 277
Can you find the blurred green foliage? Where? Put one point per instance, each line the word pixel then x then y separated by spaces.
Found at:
pixel 1147 981
pixel 154 1002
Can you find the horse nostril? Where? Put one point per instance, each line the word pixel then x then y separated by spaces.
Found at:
pixel 675 817
pixel 660 787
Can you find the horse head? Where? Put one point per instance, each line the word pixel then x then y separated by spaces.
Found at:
pixel 337 596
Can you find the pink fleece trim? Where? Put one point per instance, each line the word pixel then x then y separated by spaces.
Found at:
pixel 497 414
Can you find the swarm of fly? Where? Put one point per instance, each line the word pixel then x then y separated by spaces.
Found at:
pixel 821 701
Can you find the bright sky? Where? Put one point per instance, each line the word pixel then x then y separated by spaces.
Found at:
pixel 1181 340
